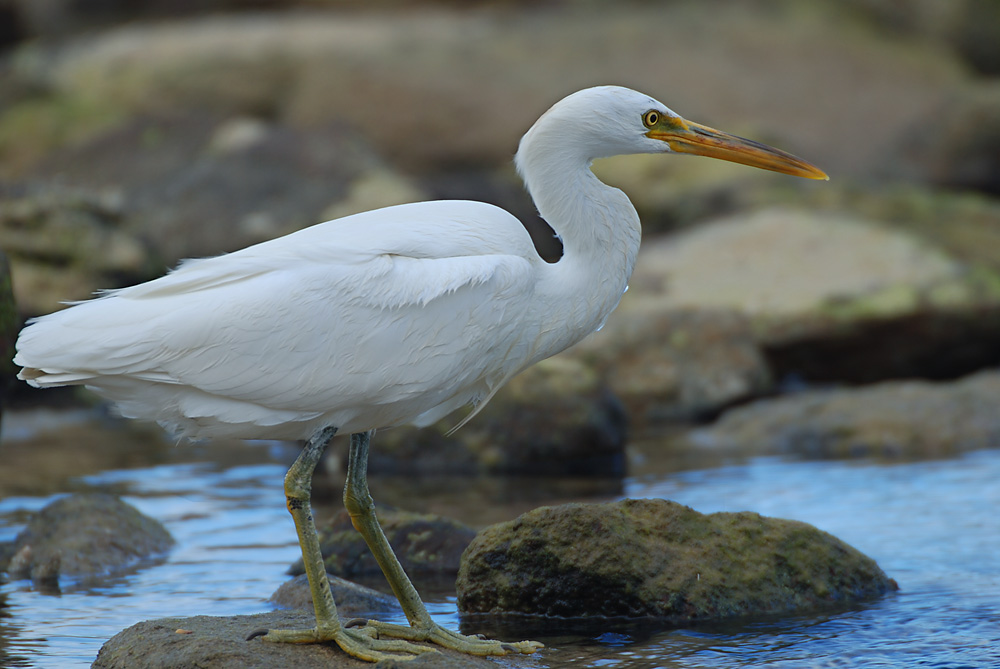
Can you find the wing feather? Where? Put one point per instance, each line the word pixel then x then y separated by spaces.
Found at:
pixel 371 320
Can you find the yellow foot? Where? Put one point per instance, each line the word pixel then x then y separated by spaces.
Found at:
pixel 444 637
pixel 363 643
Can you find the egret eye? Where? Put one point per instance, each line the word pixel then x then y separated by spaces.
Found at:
pixel 650 118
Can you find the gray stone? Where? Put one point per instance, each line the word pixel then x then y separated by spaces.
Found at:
pixel 676 364
pixel 426 544
pixel 220 643
pixel 84 537
pixel 353 600
pixel 897 419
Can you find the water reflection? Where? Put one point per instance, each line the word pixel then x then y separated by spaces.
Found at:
pixel 931 525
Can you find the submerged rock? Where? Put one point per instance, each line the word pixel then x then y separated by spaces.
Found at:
pixel 220 643
pixel 424 543
pixel 892 419
pixel 658 558
pixel 85 536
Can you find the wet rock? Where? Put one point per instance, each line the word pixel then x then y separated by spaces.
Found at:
pixel 220 643
pixel 900 419
pixel 557 418
pixel 676 364
pixel 658 558
pixel 426 544
pixel 353 600
pixel 85 536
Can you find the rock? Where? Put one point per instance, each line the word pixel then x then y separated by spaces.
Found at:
pixel 954 329
pixel 829 296
pixel 676 364
pixel 976 35
pixel 86 536
pixel 220 643
pixel 374 190
pixel 900 419
pixel 963 151
pixel 198 183
pixel 970 27
pixel 556 418
pixel 447 67
pixel 353 600
pixel 779 266
pixel 78 231
pixel 426 544
pixel 658 558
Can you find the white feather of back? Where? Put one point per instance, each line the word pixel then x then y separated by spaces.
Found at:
pixel 312 327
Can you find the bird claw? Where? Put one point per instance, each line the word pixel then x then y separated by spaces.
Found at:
pixel 444 637
pixel 363 643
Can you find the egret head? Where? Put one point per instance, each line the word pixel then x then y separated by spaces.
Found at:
pixel 611 120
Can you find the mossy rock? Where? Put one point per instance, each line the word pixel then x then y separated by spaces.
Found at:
pixel 641 558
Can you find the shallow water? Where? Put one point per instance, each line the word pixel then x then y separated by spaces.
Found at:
pixel 933 526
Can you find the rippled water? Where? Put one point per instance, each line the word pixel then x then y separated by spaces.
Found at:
pixel 933 526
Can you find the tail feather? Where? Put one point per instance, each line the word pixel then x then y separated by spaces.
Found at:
pixel 39 378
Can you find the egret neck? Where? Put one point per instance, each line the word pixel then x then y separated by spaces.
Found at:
pixel 597 224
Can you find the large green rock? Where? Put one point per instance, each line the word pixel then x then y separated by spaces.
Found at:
pixel 657 558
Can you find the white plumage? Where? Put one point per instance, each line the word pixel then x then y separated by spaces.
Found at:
pixel 398 315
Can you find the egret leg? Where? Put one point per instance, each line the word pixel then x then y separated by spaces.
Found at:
pixel 362 643
pixel 422 627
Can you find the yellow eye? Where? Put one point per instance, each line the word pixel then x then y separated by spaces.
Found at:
pixel 650 118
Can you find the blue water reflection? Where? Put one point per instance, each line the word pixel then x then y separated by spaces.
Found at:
pixel 932 526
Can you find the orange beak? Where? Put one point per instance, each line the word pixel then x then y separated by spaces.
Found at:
pixel 688 137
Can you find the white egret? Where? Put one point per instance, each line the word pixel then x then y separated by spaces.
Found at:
pixel 399 315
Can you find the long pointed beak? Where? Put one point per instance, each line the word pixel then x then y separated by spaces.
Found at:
pixel 687 137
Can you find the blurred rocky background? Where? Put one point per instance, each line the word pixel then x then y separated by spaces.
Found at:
pixel 135 133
